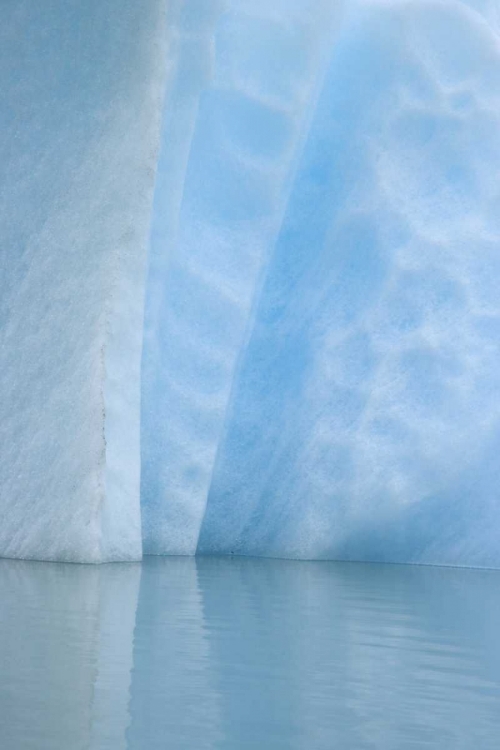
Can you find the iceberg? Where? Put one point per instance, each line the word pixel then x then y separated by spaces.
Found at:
pixel 82 92
pixel 219 202
pixel 365 419
pixel 249 294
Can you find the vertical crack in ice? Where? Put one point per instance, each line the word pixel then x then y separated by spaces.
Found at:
pixel 191 29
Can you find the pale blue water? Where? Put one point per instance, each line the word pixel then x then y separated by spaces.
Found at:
pixel 240 653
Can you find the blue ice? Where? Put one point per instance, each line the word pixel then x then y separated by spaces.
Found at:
pixel 317 304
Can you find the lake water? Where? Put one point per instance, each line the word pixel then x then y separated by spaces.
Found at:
pixel 241 653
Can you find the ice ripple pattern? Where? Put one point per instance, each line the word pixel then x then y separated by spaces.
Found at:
pixel 243 129
pixel 365 422
pixel 330 326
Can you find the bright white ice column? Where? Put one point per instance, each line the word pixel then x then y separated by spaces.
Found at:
pixel 82 87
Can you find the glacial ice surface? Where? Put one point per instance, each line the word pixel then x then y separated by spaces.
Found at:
pixel 237 117
pixel 324 315
pixel 364 422
pixel 82 89
pixel 320 321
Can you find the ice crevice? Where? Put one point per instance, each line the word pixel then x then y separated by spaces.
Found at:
pixel 218 257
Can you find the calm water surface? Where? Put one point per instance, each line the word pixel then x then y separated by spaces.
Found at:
pixel 239 653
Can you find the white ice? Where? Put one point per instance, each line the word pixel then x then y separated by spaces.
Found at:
pixel 82 90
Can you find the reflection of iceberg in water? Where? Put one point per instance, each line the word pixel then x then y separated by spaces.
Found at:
pixel 174 701
pixel 238 653
pixel 66 637
pixel 118 592
pixel 341 655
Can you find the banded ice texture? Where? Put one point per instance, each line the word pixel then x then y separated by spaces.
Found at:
pixel 82 89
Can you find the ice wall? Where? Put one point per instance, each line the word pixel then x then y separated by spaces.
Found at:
pixel 82 89
pixel 247 75
pixel 308 192
pixel 365 417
